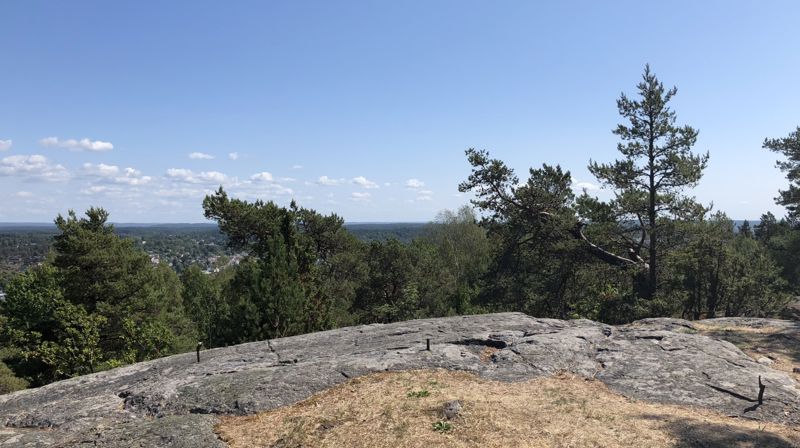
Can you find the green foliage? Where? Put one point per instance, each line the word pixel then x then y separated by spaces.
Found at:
pixel 783 244
pixel 9 382
pixel 442 426
pixel 745 230
pixel 284 287
pixel 719 272
pixel 657 165
pixel 418 394
pixel 202 300
pixel 99 303
pixel 75 347
pixel 790 147
pixel 390 292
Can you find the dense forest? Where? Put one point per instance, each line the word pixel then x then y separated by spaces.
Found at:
pixel 98 300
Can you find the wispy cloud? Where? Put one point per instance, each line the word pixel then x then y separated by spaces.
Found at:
pixel 5 145
pixel 189 176
pixel 364 182
pixel 325 180
pixel 297 167
pixel 200 156
pixel 77 145
pixel 359 196
pixel 233 155
pixel 424 195
pixel 262 177
pixel 414 183
pixel 94 189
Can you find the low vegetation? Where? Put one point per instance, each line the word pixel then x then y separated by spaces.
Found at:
pixel 778 348
pixel 560 411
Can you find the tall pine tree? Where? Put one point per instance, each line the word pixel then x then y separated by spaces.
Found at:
pixel 657 165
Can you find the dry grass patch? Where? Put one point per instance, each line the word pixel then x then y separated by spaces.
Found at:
pixel 711 328
pixel 388 410
pixel 777 344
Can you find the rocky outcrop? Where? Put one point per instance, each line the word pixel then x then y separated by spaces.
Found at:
pixel 174 401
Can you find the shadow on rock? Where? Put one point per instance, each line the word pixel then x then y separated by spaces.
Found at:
pixel 694 433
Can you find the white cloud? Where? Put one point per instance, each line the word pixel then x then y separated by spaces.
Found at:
pixel 200 156
pixel 297 167
pixel 262 177
pixel 233 155
pixel 94 189
pixel 23 194
pixel 77 145
pixel 415 183
pixel 32 167
pixel 387 184
pixel 425 192
pixel 101 169
pixel 131 176
pixel 189 176
pixel 212 176
pixel 588 186
pixel 5 145
pixel 179 173
pixel 113 174
pixel 359 196
pixel 325 180
pixel 363 182
pixel 424 198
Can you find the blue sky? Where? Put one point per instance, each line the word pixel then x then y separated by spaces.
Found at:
pixel 366 108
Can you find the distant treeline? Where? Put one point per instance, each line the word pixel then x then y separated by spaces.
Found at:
pixel 179 245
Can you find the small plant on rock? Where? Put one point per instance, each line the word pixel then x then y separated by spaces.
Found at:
pixel 442 426
pixel 418 394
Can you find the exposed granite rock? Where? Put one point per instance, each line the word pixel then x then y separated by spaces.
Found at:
pixel 173 401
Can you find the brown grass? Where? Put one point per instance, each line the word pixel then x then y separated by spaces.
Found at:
pixel 759 342
pixel 704 328
pixel 562 411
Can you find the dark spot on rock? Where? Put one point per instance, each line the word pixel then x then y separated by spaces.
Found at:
pixel 143 404
pixel 482 342
pixel 650 336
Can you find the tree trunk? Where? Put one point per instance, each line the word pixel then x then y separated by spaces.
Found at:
pixel 651 216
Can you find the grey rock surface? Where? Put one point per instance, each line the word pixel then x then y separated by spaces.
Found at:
pixel 451 409
pixel 174 401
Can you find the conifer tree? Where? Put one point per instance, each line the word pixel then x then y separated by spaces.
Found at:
pixel 790 147
pixel 657 165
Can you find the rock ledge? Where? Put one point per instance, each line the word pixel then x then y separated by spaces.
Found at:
pixel 174 401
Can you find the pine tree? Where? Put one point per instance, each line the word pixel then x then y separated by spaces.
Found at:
pixel 745 230
pixel 790 147
pixel 657 165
